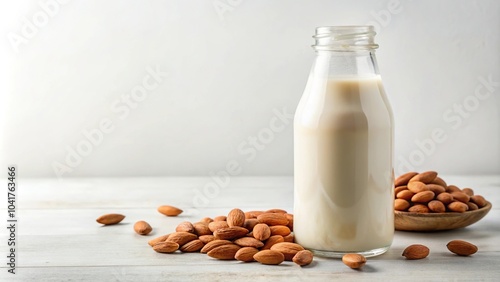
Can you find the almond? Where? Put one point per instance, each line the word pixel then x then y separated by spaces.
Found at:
pixel 290 221
pixel 417 186
pixel 458 207
pixel 230 233
pixel 248 242
pixel 253 214
pixel 215 225
pixel 276 211
pixel 261 232
pixel 273 219
pixel 479 200
pixel 169 210
pixel 416 251
pixel 453 188
pixel 461 196
pixel 273 240
pixel 287 249
pixel 289 238
pixel 110 218
pixel 181 238
pixel 419 208
pixel 445 198
pixel 236 217
pixel 162 238
pixel 166 247
pixel 404 179
pixel 250 223
pixel 461 248
pixel 279 230
pixel 425 177
pixel 303 258
pixel 405 195
pixel 142 228
pixel 246 254
pixel 468 191
pixel 192 246
pixel 436 206
pixel 201 228
pixel 401 205
pixel 423 197
pixel 439 181
pixel 185 226
pixel 354 261
pixel 224 252
pixel 472 206
pixel 220 218
pixel 206 238
pixel 214 244
pixel 437 189
pixel 206 220
pixel 269 257
pixel 399 189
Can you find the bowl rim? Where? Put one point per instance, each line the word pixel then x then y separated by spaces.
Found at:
pixel 486 208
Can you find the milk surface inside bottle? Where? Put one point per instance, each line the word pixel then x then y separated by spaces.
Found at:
pixel 343 149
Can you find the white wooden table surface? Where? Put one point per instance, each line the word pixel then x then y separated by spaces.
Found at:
pixel 59 240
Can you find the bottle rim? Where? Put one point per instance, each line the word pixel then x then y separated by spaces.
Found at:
pixel 345 38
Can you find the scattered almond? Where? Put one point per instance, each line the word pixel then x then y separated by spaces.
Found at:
pixel 269 257
pixel 416 251
pixel 214 244
pixel 181 238
pixel 110 219
pixel 303 258
pixel 246 254
pixel 287 249
pixel 354 261
pixel 162 238
pixel 166 247
pixel 142 228
pixel 169 210
pixel 461 248
pixel 224 252
pixel 185 226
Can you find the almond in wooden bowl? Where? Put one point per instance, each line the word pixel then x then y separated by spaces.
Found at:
pixel 414 221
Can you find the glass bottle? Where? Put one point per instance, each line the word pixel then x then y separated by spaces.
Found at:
pixel 343 149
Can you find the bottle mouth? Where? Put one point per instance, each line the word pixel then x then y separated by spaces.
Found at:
pixel 345 38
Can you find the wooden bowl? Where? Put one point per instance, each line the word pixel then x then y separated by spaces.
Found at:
pixel 412 221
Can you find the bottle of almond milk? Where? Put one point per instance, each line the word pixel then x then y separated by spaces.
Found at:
pixel 343 149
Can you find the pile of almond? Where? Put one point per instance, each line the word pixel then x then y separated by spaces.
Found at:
pixel 263 236
pixel 426 192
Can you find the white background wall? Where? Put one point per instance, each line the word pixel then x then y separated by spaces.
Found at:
pixel 231 64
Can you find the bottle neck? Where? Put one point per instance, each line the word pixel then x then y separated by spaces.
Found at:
pixel 347 64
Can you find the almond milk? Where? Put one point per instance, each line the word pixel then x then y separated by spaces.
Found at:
pixel 343 152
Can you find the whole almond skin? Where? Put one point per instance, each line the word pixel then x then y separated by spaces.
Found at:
pixel 453 188
pixel 261 232
pixel 166 247
pixel 423 197
pixel 468 191
pixel 436 206
pixel 201 228
pixel 253 214
pixel 250 223
pixel 289 238
pixel 354 261
pixel 437 189
pixel 445 198
pixel 461 248
pixel 303 258
pixel 206 238
pixel 419 208
pixel 246 254
pixel 399 189
pixel 458 207
pixel 248 242
pixel 478 200
pixel 269 257
pixel 404 179
pixel 426 177
pixel 206 220
pixel 272 240
pixel 162 238
pixel 416 251
pixel 185 226
pixel 461 196
pixel 401 205
pixel 279 230
pixel 181 238
pixel 214 244
pixel 230 233
pixel 220 218
pixel 236 217
pixel 439 181
pixel 192 246
pixel 169 210
pixel 273 219
pixel 224 252
pixel 142 228
pixel 215 225
pixel 287 249
pixel 405 195
pixel 110 218
pixel 472 206
pixel 417 186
